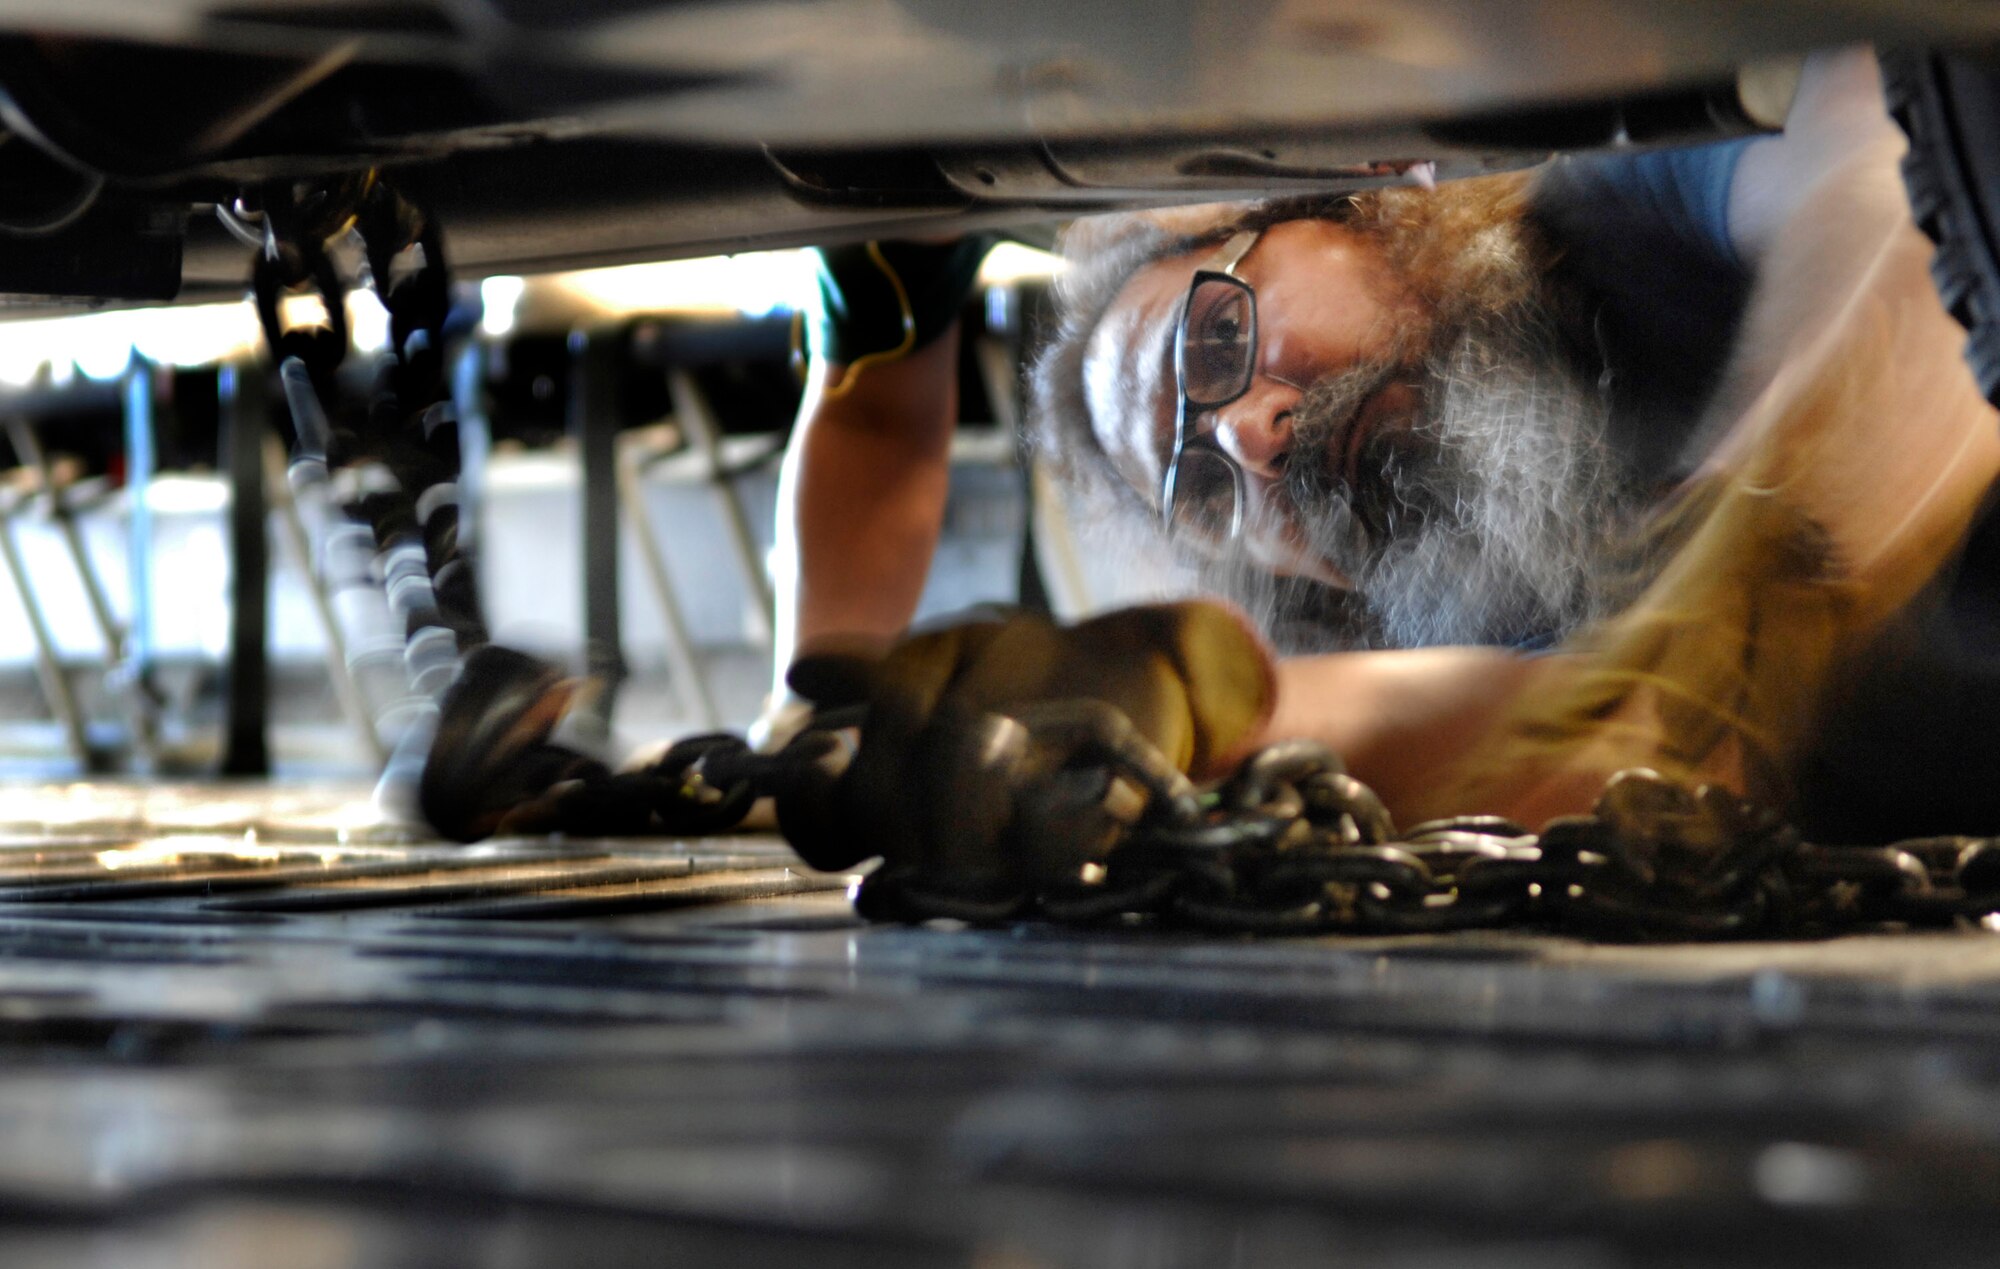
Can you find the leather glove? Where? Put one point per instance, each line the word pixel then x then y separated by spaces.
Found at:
pixel 947 736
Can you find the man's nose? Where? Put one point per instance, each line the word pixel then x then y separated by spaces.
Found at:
pixel 1256 428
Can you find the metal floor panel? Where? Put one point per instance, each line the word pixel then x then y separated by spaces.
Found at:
pixel 245 1027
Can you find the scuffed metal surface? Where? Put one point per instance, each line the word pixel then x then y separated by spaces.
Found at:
pixel 271 1030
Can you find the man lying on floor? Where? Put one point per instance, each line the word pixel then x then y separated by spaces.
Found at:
pixel 1697 419
pixel 1650 460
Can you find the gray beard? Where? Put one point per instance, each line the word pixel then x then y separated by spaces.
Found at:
pixel 1492 519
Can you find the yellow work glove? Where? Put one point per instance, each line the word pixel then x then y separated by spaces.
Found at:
pixel 1193 678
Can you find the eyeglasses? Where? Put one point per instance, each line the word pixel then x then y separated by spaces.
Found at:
pixel 1202 493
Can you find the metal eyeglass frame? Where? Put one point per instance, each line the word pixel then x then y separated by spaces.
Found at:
pixel 1220 267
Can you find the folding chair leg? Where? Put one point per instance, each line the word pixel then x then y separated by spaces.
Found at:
pixel 131 680
pixel 298 544
pixel 594 426
pixel 56 689
pixel 246 747
pixel 691 410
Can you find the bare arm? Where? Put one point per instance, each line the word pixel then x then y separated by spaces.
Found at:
pixel 1850 428
pixel 1900 444
pixel 1847 401
pixel 861 498
pixel 1398 718
pixel 1837 111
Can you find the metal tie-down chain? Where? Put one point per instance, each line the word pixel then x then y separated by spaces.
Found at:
pixel 374 470
pixel 1064 813
pixel 399 447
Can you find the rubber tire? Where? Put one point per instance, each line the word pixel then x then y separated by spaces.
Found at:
pixel 1948 105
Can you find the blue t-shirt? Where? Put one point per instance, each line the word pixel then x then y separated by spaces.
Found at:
pixel 1645 238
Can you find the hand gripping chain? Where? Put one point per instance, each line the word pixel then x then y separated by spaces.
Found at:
pixel 1063 813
